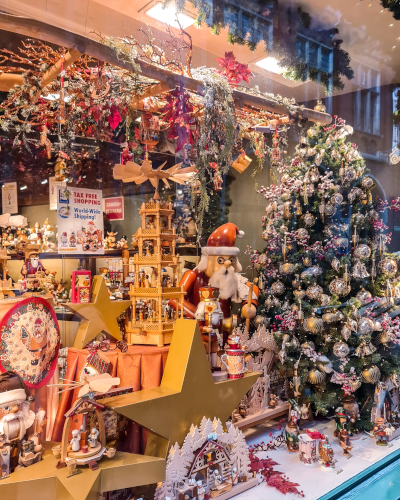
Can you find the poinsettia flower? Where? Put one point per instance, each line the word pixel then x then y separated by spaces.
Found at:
pixel 114 118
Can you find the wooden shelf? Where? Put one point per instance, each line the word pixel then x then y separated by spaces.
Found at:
pixel 262 416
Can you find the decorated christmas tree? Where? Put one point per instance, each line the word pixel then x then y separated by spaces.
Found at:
pixel 327 283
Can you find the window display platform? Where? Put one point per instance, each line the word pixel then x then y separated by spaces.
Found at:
pixel 366 458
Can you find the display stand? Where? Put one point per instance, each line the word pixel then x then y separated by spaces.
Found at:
pixel 158 327
pixel 262 416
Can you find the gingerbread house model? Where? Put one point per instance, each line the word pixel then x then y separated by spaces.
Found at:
pixel 155 326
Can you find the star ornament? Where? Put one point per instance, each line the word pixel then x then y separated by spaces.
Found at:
pixel 99 315
pixel 43 481
pixel 187 391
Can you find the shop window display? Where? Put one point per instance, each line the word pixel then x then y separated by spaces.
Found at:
pixel 199 285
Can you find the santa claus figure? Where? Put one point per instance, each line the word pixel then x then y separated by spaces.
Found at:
pixel 32 264
pixel 218 267
pixel 20 428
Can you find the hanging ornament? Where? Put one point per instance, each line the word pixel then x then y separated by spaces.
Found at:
pixel 302 234
pixel 308 219
pixel 341 172
pixel 315 376
pixel 311 272
pixel 286 268
pixel 345 331
pixel 313 324
pixel 307 261
pixel 339 287
pixel 330 209
pixel 297 206
pixel 341 349
pixel 370 374
pixel 314 175
pixel 277 288
pixel 359 271
pixel 364 349
pixel 299 294
pixel 335 263
pixel 349 174
pixel 300 315
pixel 389 295
pixel 364 296
pixel 241 162
pixel 314 291
pixel 329 317
pixel 362 252
pixel 217 179
pixel 365 326
pixel 309 344
pixel 262 259
pixel 321 209
pixel 319 156
pixel 324 300
pixel 346 275
pixel 336 199
pixel 60 167
pixel 296 281
pixel 324 364
pixel 383 338
pixel 388 267
pixel 275 151
pixel 45 141
pixel 367 183
pixel 355 237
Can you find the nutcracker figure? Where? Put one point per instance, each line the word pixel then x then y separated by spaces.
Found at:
pixel 219 267
pixel 382 430
pixel 344 440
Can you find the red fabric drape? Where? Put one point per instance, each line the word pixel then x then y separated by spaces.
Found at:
pixel 140 367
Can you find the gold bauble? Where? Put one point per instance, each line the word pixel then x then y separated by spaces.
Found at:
pixel 316 376
pixel 324 300
pixel 382 338
pixel 370 374
pixel 313 324
pixel 321 108
pixel 388 267
pixel 314 291
pixel 286 268
pixel 299 294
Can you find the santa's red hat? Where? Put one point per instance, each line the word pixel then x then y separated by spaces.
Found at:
pixel 221 242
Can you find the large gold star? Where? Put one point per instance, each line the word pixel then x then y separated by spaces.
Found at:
pixel 99 315
pixel 43 481
pixel 187 391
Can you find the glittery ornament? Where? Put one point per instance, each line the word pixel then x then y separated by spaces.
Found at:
pixel 313 324
pixel 359 271
pixel 336 199
pixel 309 344
pixel 345 331
pixel 362 252
pixel 316 376
pixel 388 267
pixel 314 291
pixel 341 349
pixel 364 296
pixel 311 151
pixel 370 374
pixel 383 338
pixel 339 287
pixel 365 326
pixel 286 268
pixel 330 209
pixel 349 174
pixel 324 364
pixel 318 157
pixel 302 233
pixel 335 263
pixel 367 183
pixel 308 219
pixel 323 300
pixel 329 317
pixel 364 349
pixel 307 261
pixel 311 272
pixel 299 294
pixel 278 288
pixel 262 259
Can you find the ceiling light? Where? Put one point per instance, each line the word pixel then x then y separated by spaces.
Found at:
pixel 390 24
pixel 271 64
pixel 44 182
pixel 23 187
pixel 168 15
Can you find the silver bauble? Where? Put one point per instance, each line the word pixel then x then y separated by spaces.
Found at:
pixel 315 376
pixel 330 209
pixel 323 300
pixel 311 272
pixel 346 331
pixel 308 219
pixel 364 297
pixel 388 267
pixel 314 291
pixel 341 349
pixel 367 182
pixel 302 233
pixel 339 287
pixel 335 263
pixel 365 326
pixel 336 199
pixel 362 252
pixel 277 288
pixel 329 317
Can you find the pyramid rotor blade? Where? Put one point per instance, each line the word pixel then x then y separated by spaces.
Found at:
pixel 166 182
pixel 177 180
pixel 146 166
pixel 186 170
pixel 161 166
pixel 174 168
pixel 83 390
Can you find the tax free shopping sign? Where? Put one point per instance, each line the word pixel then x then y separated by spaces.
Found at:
pixel 80 221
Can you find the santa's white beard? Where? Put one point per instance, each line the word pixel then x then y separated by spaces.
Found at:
pixel 226 280
pixel 13 424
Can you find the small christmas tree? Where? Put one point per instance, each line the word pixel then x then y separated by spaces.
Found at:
pixel 325 269
pixel 240 452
